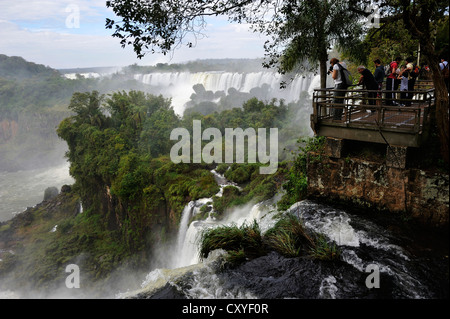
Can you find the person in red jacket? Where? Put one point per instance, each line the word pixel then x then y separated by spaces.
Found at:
pixel 392 82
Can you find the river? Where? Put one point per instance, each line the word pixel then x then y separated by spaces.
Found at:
pixel 22 189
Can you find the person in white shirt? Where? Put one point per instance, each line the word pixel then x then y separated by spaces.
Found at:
pixel 407 82
pixel 340 85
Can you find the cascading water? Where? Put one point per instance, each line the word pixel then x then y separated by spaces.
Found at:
pixel 178 85
pixel 186 252
pixel 185 216
pixel 186 246
pixel 185 257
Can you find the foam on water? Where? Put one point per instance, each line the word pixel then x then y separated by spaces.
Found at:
pixel 328 288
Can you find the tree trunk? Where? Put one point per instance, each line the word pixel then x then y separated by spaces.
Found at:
pixel 441 98
pixel 323 73
pixel 419 26
pixel 442 110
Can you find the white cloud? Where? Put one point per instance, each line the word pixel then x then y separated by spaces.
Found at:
pixel 36 30
pixel 24 10
pixel 62 50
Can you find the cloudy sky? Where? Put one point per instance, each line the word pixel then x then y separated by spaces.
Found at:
pixel 71 33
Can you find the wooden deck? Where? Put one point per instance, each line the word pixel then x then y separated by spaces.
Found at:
pixel 379 123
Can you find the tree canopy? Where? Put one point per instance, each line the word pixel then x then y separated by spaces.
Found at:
pixel 119 150
pixel 306 31
pixel 422 19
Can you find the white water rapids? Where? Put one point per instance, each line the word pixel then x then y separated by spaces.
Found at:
pixel 184 256
pixel 335 224
pixel 186 252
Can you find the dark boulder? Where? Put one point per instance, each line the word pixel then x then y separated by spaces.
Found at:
pixel 66 189
pixel 50 193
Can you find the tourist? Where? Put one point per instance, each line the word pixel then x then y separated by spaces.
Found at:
pixel 408 80
pixel 368 81
pixel 413 75
pixel 392 81
pixel 379 73
pixel 339 84
pixel 403 77
pixel 379 76
pixel 425 72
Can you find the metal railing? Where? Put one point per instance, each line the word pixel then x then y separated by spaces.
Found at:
pixel 373 108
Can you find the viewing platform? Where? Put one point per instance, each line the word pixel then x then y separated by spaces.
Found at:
pixel 370 119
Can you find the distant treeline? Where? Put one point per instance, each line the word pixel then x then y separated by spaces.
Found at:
pixel 229 65
pixel 26 84
pixel 29 86
pixel 33 99
pixel 14 67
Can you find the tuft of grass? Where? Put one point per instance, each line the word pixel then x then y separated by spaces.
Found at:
pixel 236 257
pixel 242 242
pixel 222 168
pixel 288 237
pixel 323 250
pixel 284 243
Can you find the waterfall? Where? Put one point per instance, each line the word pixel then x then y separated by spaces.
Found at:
pixel 186 251
pixel 184 222
pixel 178 85
pixel 185 256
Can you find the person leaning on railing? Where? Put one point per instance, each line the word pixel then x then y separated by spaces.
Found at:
pixel 368 80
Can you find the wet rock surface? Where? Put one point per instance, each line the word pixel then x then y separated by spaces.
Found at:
pixel 276 277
